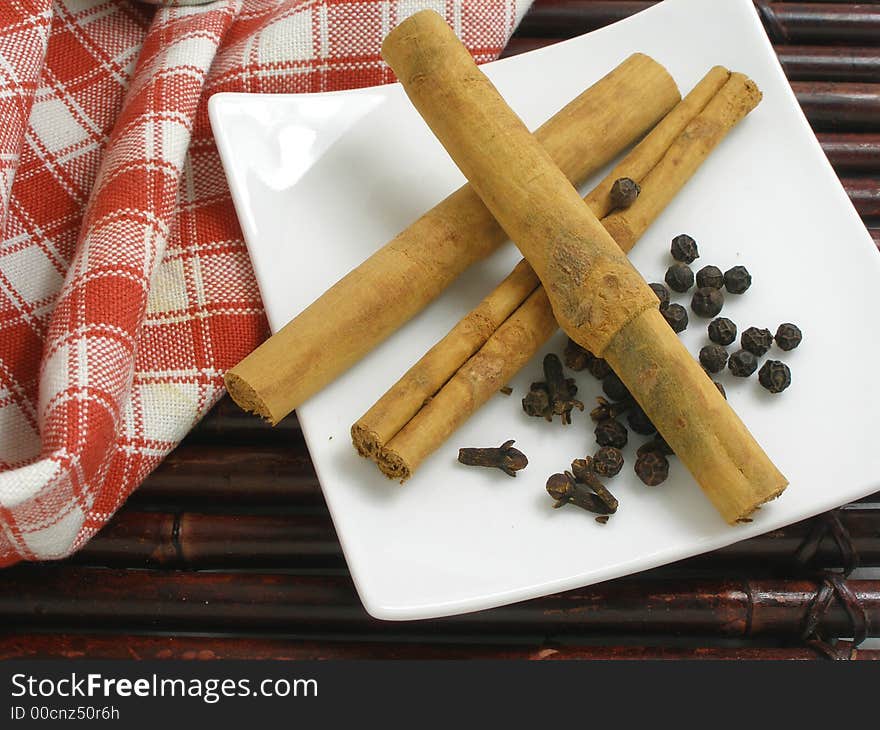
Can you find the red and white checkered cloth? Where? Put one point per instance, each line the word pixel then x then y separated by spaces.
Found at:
pixel 125 288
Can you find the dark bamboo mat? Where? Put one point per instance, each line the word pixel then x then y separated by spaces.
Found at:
pixel 227 551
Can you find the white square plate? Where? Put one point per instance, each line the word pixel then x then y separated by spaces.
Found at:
pixel 320 181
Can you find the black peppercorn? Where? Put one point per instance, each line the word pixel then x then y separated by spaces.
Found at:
pixel 639 422
pixel 756 340
pixel 607 462
pixel 720 389
pixel 676 316
pixel 742 363
pixel 657 444
pixel 684 248
pixel 775 376
pixel 707 302
pixel 722 331
pixel 737 279
pixel 614 388
pixel 788 336
pixel 679 277
pixel 710 276
pixel 576 357
pixel 624 192
pixel 713 358
pixel 598 368
pixel 652 468
pixel 611 433
pixel 662 294
pixel 606 409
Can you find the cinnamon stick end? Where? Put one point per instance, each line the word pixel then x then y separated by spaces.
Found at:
pixel 247 398
pixel 393 466
pixel 744 516
pixel 366 441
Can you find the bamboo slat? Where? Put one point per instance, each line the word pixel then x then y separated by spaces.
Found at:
pixel 185 647
pixel 90 598
pixel 179 540
pixel 789 23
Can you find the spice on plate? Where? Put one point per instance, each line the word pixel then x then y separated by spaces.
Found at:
pixel 576 357
pixel 720 389
pixel 582 469
pixel 684 248
pixel 775 376
pixel 624 192
pixel 737 279
pixel 607 461
pixel 710 276
pixel 788 336
pixel 554 396
pixel 607 409
pixel 599 368
pixel 707 302
pixel 614 388
pixel 713 358
pixel 722 331
pixel 657 444
pixel 756 340
pixel 652 468
pixel 611 432
pixel 639 422
pixel 742 363
pixel 679 277
pixel 676 317
pixel 504 457
pixel 564 489
pixel 662 294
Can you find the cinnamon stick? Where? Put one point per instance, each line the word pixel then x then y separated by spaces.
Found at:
pixel 375 429
pixel 423 380
pixel 597 296
pixel 402 277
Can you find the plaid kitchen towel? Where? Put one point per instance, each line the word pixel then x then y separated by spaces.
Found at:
pixel 125 286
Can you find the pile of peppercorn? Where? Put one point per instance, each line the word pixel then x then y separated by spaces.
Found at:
pixel 707 301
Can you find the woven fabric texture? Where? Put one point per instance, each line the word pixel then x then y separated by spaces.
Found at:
pixel 125 287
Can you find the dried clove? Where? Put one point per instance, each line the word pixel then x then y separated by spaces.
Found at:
pixel 582 470
pixel 564 489
pixel 505 457
pixel 554 396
